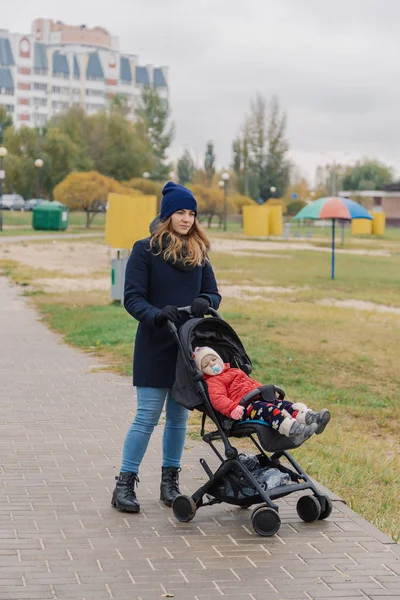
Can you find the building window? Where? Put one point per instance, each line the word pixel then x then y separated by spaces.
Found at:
pixel 24 71
pixel 61 105
pixel 39 119
pixel 23 117
pixel 7 91
pixel 40 86
pixel 38 71
pixel 95 93
pixel 90 106
pixel 24 86
pixel 95 78
pixel 40 101
pixel 61 75
pixel 9 107
pixel 56 89
pixel 23 101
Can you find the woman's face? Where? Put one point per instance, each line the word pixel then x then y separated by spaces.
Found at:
pixel 182 221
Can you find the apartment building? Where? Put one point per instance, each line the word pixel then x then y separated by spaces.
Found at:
pixel 58 66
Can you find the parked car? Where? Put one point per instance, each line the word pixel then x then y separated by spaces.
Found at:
pixel 18 202
pixel 32 202
pixel 12 202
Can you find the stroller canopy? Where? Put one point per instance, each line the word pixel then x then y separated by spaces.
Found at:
pixel 217 334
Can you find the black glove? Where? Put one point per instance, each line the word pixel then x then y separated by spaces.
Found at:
pixel 199 307
pixel 168 313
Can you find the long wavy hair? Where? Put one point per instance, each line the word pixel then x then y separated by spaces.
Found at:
pixel 190 249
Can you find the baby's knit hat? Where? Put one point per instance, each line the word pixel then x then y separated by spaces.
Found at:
pixel 200 352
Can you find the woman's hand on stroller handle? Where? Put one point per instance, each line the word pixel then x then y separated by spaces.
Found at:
pixel 188 310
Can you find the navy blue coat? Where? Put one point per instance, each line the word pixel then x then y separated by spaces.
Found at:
pixel 150 284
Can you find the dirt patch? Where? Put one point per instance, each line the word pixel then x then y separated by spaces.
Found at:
pixel 360 305
pixel 231 246
pixel 70 284
pixel 251 253
pixel 84 258
pixel 255 292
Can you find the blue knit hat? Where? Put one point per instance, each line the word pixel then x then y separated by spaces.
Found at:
pixel 176 197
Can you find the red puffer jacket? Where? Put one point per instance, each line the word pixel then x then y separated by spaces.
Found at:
pixel 227 389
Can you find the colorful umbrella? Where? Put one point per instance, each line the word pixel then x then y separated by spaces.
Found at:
pixel 333 208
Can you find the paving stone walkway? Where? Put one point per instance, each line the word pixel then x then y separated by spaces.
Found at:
pixel 62 425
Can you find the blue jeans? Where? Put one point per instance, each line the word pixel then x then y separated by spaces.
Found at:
pixel 150 402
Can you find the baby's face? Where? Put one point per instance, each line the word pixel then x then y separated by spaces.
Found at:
pixel 212 365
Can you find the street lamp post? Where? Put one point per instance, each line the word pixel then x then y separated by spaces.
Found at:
pixel 38 164
pixel 272 190
pixel 3 154
pixel 224 184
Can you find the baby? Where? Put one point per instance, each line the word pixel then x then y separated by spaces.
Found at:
pixel 227 386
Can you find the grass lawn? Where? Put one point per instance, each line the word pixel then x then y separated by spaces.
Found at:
pixel 20 223
pixel 340 358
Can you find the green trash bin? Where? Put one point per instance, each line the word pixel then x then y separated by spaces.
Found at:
pixel 50 216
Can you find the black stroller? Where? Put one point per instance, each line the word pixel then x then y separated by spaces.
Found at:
pixel 234 482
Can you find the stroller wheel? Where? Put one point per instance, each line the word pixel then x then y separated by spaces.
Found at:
pixel 184 508
pixel 309 509
pixel 326 507
pixel 265 521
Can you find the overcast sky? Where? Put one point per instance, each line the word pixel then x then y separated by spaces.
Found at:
pixel 333 65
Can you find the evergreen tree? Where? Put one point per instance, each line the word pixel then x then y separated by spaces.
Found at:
pixel 153 116
pixel 237 161
pixel 5 121
pixel 262 148
pixel 209 162
pixel 186 168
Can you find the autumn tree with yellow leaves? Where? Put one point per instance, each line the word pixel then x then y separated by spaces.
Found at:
pixel 87 191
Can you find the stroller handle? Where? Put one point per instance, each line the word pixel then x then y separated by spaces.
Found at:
pixel 188 310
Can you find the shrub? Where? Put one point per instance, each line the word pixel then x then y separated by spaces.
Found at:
pixel 146 186
pixel 294 207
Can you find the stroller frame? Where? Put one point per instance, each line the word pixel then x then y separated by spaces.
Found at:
pixel 265 518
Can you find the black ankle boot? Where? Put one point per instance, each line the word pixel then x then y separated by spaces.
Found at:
pixel 124 497
pixel 169 488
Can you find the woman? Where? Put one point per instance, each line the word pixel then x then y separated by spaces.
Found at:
pixel 168 270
